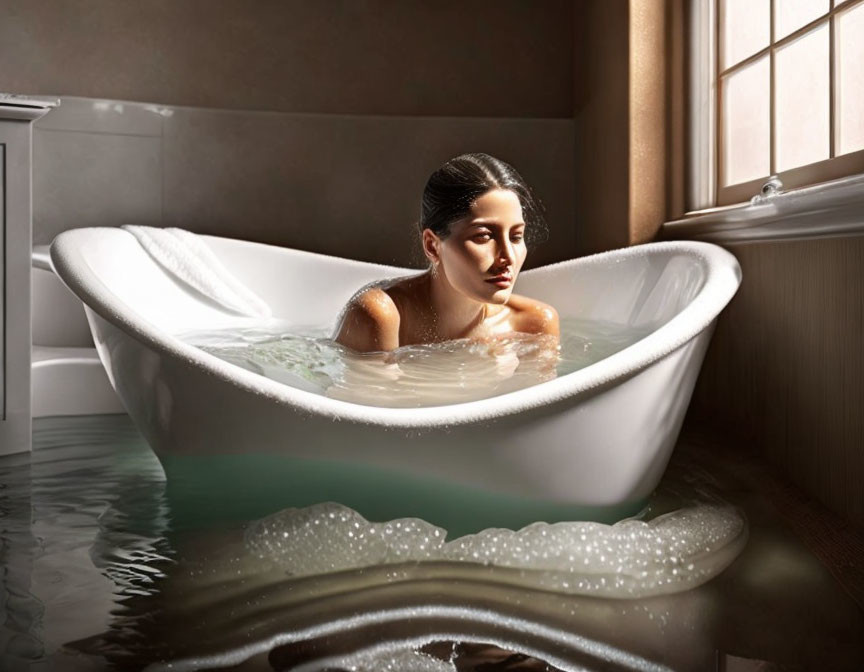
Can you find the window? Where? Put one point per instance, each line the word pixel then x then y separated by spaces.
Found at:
pixel 777 88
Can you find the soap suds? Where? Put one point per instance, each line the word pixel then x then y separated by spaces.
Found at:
pixel 632 558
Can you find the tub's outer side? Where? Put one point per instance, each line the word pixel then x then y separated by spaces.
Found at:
pixel 605 447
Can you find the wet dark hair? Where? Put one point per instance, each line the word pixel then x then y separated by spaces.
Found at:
pixel 453 188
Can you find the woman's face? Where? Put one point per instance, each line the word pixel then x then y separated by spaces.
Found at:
pixel 486 249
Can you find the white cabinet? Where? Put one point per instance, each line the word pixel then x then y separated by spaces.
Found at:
pixel 16 116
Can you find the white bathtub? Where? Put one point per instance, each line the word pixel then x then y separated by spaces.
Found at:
pixel 591 444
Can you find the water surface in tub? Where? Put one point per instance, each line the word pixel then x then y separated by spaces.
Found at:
pixel 97 573
pixel 414 376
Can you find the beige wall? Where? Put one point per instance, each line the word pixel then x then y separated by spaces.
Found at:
pixel 345 185
pixel 372 74
pixel 605 64
pixel 477 58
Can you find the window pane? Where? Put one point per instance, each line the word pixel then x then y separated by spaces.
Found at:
pixel 745 29
pixel 790 15
pixel 849 69
pixel 802 100
pixel 746 131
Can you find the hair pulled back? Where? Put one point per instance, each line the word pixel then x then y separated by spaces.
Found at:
pixel 453 188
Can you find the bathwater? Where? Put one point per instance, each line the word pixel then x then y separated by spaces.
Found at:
pixel 418 375
pixel 97 574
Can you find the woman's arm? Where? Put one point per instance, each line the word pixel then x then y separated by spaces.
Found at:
pixel 369 323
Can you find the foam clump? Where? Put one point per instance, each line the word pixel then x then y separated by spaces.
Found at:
pixel 631 558
pixel 330 537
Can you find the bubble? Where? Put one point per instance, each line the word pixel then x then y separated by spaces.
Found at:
pixel 632 558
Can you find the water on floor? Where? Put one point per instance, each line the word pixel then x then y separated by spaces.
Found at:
pixel 98 574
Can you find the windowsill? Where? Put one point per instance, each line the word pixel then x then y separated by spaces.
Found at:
pixel 830 209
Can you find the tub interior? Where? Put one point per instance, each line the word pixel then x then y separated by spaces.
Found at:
pixel 309 290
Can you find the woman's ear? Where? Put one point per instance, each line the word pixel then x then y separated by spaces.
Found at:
pixel 431 246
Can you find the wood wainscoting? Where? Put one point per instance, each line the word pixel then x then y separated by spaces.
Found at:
pixel 784 375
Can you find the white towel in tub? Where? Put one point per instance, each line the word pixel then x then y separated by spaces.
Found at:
pixel 184 255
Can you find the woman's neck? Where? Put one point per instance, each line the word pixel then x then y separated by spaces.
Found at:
pixel 454 314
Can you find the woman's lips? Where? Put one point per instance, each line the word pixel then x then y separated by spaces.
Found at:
pixel 502 281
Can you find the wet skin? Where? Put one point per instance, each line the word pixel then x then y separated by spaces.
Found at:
pixel 466 293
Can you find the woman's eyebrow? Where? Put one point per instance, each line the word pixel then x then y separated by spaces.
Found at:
pixel 487 222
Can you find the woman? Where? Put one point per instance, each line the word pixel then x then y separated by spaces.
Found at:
pixel 475 213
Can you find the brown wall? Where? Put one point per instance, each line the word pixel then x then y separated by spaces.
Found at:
pixel 477 58
pixel 628 110
pixel 602 124
pixel 784 376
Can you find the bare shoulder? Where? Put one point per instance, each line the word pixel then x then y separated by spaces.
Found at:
pixel 533 316
pixel 370 322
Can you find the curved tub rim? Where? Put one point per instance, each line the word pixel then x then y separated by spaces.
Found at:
pixel 721 282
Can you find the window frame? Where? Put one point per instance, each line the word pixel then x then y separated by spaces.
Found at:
pixel 705 190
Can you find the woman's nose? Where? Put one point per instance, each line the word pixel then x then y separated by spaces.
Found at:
pixel 505 252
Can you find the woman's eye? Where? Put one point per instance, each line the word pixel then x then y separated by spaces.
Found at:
pixel 482 237
pixel 517 237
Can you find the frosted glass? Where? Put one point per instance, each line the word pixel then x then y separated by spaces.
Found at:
pixel 849 70
pixel 802 109
pixel 790 15
pixel 746 29
pixel 746 123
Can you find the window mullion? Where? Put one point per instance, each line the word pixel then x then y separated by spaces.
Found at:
pixel 719 140
pixel 772 121
pixel 831 84
pixel 740 65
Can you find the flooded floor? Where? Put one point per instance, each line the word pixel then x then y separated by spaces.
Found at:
pixel 98 573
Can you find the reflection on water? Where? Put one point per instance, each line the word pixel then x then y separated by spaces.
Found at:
pixel 418 375
pixel 96 574
pixel 84 529
pixel 388 639
pixel 418 656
